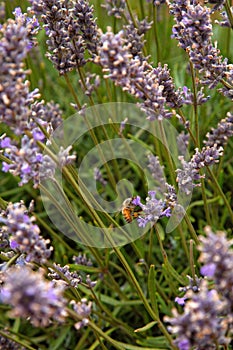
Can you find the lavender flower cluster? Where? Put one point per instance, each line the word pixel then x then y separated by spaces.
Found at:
pixel 135 75
pixel 206 321
pixel 71 29
pixel 31 296
pixel 189 176
pixel 20 110
pixel 23 234
pixel 193 30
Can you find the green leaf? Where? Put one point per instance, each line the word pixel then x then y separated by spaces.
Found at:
pixel 56 344
pixel 146 327
pixel 152 289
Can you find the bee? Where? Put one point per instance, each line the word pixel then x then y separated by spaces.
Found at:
pixel 129 210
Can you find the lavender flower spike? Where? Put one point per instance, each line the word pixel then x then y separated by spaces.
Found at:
pixel 153 210
pixel 217 256
pixel 24 234
pixel 31 296
pixel 201 325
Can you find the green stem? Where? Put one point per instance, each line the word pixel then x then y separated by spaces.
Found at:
pixel 183 240
pixel 191 261
pixel 187 127
pixel 220 192
pixel 3 204
pixel 167 153
pixel 156 37
pixel 206 207
pixel 195 104
pixel 191 229
pixel 96 329
pixel 72 91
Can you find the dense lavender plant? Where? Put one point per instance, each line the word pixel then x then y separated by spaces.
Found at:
pixel 23 234
pixel 31 296
pixel 135 36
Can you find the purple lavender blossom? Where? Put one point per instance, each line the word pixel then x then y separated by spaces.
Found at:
pixel 227 89
pixel 225 20
pixel 122 126
pixel 24 234
pixel 182 143
pixel 62 275
pixel 91 284
pixel 15 97
pixel 217 257
pixel 180 300
pixel 187 176
pixel 220 135
pixel 65 44
pixel 115 7
pixel 64 158
pixel 188 97
pixel 27 161
pixel 194 284
pixel 193 30
pixel 85 24
pixel 206 157
pixel 48 115
pixel 153 210
pixel 92 82
pixel 135 39
pixel 31 296
pixel 114 57
pixel 173 98
pixel 81 259
pixel 99 177
pixel 137 77
pixel 157 172
pixel 71 29
pixel 201 325
pixel 83 310
pixel 30 23
pixel 170 197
